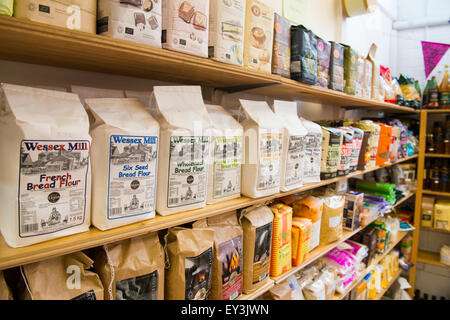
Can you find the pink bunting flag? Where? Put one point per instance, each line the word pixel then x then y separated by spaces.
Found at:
pixel 432 54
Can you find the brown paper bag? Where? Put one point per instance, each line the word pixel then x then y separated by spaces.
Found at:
pixel 331 223
pixel 5 291
pixel 227 264
pixel 279 292
pixel 63 278
pixel 256 223
pixel 132 269
pixel 190 253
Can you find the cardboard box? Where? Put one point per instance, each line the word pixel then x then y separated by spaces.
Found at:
pixel 185 26
pixel 442 215
pixel 138 21
pixel 352 210
pixel 71 14
pixel 226 31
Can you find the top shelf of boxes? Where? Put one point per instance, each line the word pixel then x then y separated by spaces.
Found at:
pixel 31 42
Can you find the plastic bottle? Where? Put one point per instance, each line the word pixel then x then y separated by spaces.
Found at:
pixel 438 133
pixel 425 96
pixel 433 102
pixel 417 85
pixel 444 91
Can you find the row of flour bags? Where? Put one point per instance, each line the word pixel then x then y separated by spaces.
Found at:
pixel 113 162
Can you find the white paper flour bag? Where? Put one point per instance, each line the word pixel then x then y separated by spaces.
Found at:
pixel 45 176
pixel 124 156
pixel 313 151
pixel 263 141
pixel 184 148
pixel 293 153
pixel 224 176
pixel 94 93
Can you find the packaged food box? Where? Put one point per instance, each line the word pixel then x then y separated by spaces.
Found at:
pixel 336 80
pixel 281 259
pixel 384 145
pixel 60 13
pixel 310 208
pixel 258 45
pixel 427 212
pixel 226 31
pixel 352 210
pixel 281 60
pixel 301 235
pixel 303 55
pixel 442 215
pixel 138 21
pixel 331 152
pixel 185 26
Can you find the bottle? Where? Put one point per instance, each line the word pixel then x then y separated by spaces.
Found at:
pixel 426 93
pixel 426 175
pixel 417 294
pixel 444 91
pixel 433 297
pixel 444 177
pixel 425 296
pixel 447 135
pixel 417 85
pixel 430 143
pixel 433 102
pixel 438 133
pixel 434 175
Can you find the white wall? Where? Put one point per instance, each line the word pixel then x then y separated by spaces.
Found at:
pixel 410 57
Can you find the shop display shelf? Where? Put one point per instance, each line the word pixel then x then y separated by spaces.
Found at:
pixel 434 230
pixel 257 293
pixel 437 155
pixel 11 257
pixel 430 258
pixel 404 199
pixel 394 278
pixel 436 110
pixel 376 261
pixel 436 193
pixel 32 42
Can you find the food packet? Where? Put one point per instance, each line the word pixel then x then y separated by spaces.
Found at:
pixel 315 290
pixel 409 91
pixel 398 92
pixel 323 62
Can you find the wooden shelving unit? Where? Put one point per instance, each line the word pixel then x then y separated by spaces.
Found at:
pixel 431 111
pixel 436 193
pixel 430 258
pixel 37 43
pixel 11 257
pixel 434 230
pixel 404 199
pixel 254 295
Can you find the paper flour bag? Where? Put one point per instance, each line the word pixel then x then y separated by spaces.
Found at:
pixel 227 264
pixel 184 148
pixel 138 21
pixel 313 151
pixel 185 26
pixel 294 135
pixel 190 253
pixel 256 224
pixel 224 176
pixel 62 278
pixel 132 269
pixel 226 31
pixel 90 92
pixel 124 157
pixel 143 97
pixel 263 141
pixel 45 182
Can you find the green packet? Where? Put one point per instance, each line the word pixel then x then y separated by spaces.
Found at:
pixel 350 69
pixel 6 7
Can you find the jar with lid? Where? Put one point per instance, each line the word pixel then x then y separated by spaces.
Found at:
pixel 435 182
pixel 438 133
pixel 430 143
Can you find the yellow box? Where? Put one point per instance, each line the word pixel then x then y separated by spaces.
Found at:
pixel 442 215
pixel 281 257
pixel 301 235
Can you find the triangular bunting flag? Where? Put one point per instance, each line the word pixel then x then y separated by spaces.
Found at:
pixel 432 54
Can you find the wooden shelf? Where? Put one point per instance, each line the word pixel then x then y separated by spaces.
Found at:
pixel 403 200
pixel 437 155
pixel 394 278
pixel 434 230
pixel 436 110
pixel 436 193
pixel 375 261
pixel 11 257
pixel 430 258
pixel 31 42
